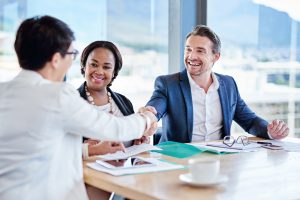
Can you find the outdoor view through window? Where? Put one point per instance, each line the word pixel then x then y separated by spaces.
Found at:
pixel 138 28
pixel 261 50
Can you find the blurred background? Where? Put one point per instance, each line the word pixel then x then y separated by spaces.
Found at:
pixel 260 44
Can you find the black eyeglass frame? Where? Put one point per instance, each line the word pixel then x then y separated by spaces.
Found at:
pixel 74 53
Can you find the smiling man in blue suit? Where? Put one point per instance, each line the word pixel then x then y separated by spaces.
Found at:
pixel 197 104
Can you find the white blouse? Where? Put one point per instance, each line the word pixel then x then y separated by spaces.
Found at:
pixel 41 129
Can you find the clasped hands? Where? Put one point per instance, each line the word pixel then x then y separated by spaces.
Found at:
pixel 277 129
pixel 150 113
pixel 97 147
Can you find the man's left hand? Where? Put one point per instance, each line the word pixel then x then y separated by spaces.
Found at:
pixel 277 129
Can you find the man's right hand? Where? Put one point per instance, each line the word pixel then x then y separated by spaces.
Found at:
pixel 149 113
pixel 151 130
pixel 147 108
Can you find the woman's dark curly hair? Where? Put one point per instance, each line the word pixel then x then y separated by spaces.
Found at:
pixel 106 45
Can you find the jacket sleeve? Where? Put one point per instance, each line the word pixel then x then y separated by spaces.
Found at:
pixel 159 97
pixel 81 118
pixel 247 119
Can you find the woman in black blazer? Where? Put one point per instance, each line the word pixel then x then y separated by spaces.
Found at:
pixel 101 62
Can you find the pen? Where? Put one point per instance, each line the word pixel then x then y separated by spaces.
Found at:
pixel 266 143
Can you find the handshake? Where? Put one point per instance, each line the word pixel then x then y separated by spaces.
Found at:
pixel 148 113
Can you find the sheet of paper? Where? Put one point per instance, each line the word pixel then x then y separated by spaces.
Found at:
pixel 159 166
pixel 288 144
pixel 219 147
pixel 130 151
pixel 236 146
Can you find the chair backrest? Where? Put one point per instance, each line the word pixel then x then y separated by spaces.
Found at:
pixel 157 136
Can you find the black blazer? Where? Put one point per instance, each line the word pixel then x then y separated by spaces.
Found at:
pixel 122 102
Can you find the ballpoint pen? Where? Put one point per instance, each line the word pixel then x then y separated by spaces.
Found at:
pixel 269 145
pixel 264 143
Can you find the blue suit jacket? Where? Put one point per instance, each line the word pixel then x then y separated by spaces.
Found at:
pixel 173 101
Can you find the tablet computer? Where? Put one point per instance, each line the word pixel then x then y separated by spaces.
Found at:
pixel 130 162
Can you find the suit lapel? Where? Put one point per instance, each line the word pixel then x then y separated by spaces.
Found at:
pixel 186 91
pixel 81 91
pixel 225 106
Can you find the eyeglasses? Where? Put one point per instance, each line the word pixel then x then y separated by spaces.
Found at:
pixel 230 140
pixel 74 53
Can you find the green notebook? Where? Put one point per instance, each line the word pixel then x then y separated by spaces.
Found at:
pixel 180 150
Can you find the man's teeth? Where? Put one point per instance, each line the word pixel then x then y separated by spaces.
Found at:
pixel 194 64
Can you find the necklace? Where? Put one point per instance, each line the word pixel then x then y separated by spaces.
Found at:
pixel 91 99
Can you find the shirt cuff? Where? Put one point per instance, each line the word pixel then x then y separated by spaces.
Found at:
pixel 147 120
pixel 270 136
pixel 85 151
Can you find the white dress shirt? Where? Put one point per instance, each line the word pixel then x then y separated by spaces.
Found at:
pixel 207 112
pixel 41 129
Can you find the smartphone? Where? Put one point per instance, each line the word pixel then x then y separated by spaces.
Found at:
pixel 272 147
pixel 130 162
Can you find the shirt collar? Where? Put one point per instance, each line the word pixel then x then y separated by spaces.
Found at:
pixel 30 76
pixel 215 84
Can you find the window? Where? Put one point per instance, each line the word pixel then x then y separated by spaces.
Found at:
pixel 138 28
pixel 260 49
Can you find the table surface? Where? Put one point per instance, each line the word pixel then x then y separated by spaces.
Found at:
pixel 265 174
